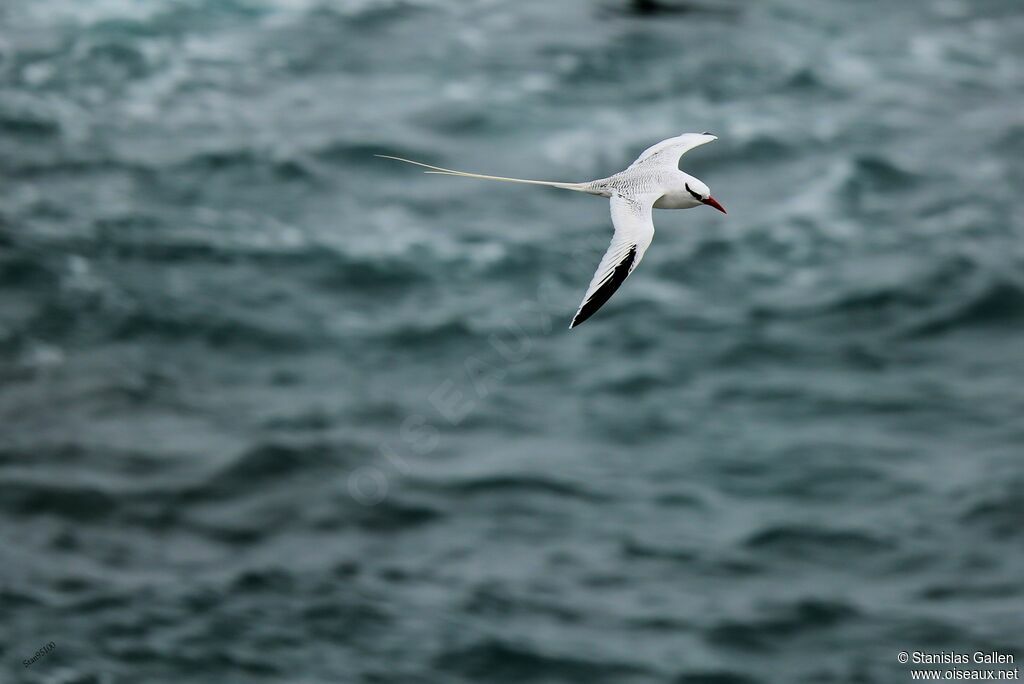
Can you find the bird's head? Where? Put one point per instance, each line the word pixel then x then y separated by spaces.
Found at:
pixel 702 193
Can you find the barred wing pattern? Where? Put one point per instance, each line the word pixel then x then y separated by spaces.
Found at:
pixel 668 152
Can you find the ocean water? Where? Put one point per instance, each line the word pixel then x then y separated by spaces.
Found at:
pixel 275 410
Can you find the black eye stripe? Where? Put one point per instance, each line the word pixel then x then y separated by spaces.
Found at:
pixel 695 195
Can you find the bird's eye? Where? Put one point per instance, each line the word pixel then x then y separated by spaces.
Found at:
pixel 695 195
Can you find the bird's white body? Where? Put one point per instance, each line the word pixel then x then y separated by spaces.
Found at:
pixel 631 183
pixel 653 181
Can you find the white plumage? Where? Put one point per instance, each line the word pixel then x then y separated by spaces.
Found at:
pixel 653 181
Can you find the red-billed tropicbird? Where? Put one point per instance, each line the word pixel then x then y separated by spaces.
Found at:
pixel 653 181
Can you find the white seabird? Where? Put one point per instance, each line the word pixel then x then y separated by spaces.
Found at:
pixel 653 181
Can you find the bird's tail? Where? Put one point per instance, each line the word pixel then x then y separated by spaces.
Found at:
pixel 579 187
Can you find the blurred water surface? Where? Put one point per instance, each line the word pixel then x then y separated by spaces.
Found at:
pixel 274 409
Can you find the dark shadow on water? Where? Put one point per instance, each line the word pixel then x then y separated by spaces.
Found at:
pixel 659 8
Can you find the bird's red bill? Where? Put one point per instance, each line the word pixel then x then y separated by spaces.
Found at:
pixel 712 202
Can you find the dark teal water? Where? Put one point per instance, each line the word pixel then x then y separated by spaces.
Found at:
pixel 274 410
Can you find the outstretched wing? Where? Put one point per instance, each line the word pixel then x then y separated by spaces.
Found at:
pixel 668 152
pixel 634 231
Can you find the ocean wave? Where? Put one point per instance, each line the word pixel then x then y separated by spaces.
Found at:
pixel 669 8
pixel 339 620
pixel 715 677
pixel 877 174
pixel 82 503
pixel 192 660
pixel 972 591
pixel 373 15
pixel 996 303
pixel 999 512
pixel 635 549
pixel 325 267
pixel 952 293
pixel 500 661
pixel 803 541
pixel 170 172
pixel 781 624
pixel 350 153
pixel 28 126
pixel 247 160
pixel 493 600
pixel 130 504
pixel 758 146
pixel 424 335
pixel 394 515
pixel 24 270
pixel 218 331
pixel 832 483
pixel 520 485
pixel 16 598
pixel 270 462
pixel 52 164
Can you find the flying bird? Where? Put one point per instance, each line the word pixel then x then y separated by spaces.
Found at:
pixel 653 181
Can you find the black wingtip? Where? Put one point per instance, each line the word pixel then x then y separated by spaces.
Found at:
pixel 604 293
